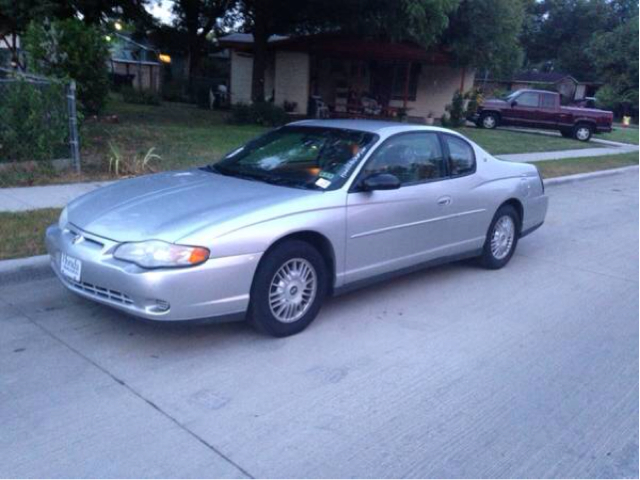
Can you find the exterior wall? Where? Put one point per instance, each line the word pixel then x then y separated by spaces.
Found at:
pixel 436 87
pixel 292 79
pixel 241 73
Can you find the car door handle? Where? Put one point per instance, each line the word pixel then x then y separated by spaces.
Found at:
pixel 444 201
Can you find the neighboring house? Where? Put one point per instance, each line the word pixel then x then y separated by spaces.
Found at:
pixel 135 64
pixel 570 88
pixel 11 53
pixel 352 76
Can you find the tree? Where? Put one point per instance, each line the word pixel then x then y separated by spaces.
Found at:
pixel 198 19
pixel 615 58
pixel 484 34
pixel 71 49
pixel 557 33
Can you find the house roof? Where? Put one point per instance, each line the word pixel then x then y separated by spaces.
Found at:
pixel 337 45
pixel 541 77
pixel 245 39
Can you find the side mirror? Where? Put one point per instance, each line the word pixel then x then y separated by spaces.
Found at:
pixel 380 181
pixel 514 103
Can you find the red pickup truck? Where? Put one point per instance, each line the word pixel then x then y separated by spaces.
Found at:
pixel 542 109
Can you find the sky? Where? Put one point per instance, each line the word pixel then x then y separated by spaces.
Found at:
pixel 161 9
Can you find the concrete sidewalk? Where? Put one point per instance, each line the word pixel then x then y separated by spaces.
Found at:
pixel 50 196
pixel 563 154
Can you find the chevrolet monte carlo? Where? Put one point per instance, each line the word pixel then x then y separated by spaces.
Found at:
pixel 305 211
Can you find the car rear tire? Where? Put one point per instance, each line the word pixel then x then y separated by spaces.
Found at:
pixel 288 289
pixel 582 132
pixel 502 238
pixel 488 120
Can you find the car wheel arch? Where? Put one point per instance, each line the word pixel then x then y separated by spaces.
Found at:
pixel 317 240
pixel 517 204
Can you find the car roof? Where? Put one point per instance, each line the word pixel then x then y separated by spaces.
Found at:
pixel 379 127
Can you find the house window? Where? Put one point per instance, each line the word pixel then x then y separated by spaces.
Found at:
pixel 389 80
pixel 400 80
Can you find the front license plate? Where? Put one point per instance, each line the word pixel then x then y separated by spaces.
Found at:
pixel 70 267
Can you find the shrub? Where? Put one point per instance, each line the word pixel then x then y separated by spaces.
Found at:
pixel 142 97
pixel 260 113
pixel 455 116
pixel 33 121
pixel 71 49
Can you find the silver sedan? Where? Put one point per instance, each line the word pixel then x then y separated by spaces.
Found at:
pixel 308 210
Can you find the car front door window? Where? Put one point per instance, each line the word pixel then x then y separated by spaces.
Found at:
pixel 528 99
pixel 412 157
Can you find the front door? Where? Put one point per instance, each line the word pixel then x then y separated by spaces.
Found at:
pixel 394 229
pixel 523 110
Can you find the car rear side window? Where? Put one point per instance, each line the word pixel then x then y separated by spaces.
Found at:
pixel 528 99
pixel 548 101
pixel 412 157
pixel 462 159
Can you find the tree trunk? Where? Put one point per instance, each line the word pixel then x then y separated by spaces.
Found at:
pixel 260 40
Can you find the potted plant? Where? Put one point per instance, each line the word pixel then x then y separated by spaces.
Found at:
pixel 429 120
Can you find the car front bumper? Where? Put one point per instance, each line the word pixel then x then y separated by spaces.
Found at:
pixel 217 288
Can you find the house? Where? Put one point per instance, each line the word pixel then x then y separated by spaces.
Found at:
pixel 570 88
pixel 135 64
pixel 352 76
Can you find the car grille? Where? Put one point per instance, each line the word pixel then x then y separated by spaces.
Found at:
pixel 101 292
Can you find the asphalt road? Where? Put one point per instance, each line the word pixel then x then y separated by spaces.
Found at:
pixel 530 371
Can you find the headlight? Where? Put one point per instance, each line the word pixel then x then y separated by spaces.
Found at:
pixel 63 220
pixel 155 254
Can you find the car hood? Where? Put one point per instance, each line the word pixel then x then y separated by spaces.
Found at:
pixel 168 206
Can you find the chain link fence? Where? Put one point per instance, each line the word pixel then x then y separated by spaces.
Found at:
pixel 38 120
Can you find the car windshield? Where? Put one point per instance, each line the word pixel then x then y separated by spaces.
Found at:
pixel 304 157
pixel 512 95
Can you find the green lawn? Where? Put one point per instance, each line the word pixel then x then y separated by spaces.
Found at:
pixel 182 134
pixel 570 166
pixel 500 142
pixel 622 134
pixel 22 233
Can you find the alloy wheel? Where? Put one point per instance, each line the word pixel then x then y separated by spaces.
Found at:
pixel 293 290
pixel 502 237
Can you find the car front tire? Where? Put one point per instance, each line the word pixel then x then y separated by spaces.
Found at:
pixel 488 121
pixel 502 238
pixel 582 132
pixel 288 289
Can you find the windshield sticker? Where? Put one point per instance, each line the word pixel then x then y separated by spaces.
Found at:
pixel 327 175
pixel 347 167
pixel 323 183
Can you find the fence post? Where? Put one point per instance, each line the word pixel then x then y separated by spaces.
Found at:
pixel 73 126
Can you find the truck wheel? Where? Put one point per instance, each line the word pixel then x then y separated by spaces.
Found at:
pixel 582 132
pixel 489 120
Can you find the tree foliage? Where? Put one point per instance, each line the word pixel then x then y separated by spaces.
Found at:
pixel 557 33
pixel 484 34
pixel 71 49
pixel 198 19
pixel 614 56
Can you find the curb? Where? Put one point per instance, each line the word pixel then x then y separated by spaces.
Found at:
pixel 22 269
pixel 588 176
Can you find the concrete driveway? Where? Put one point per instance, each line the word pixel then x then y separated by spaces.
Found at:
pixel 530 371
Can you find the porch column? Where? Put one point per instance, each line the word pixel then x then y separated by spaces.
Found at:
pixel 406 86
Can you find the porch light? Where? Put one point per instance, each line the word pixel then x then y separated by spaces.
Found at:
pixel 164 58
